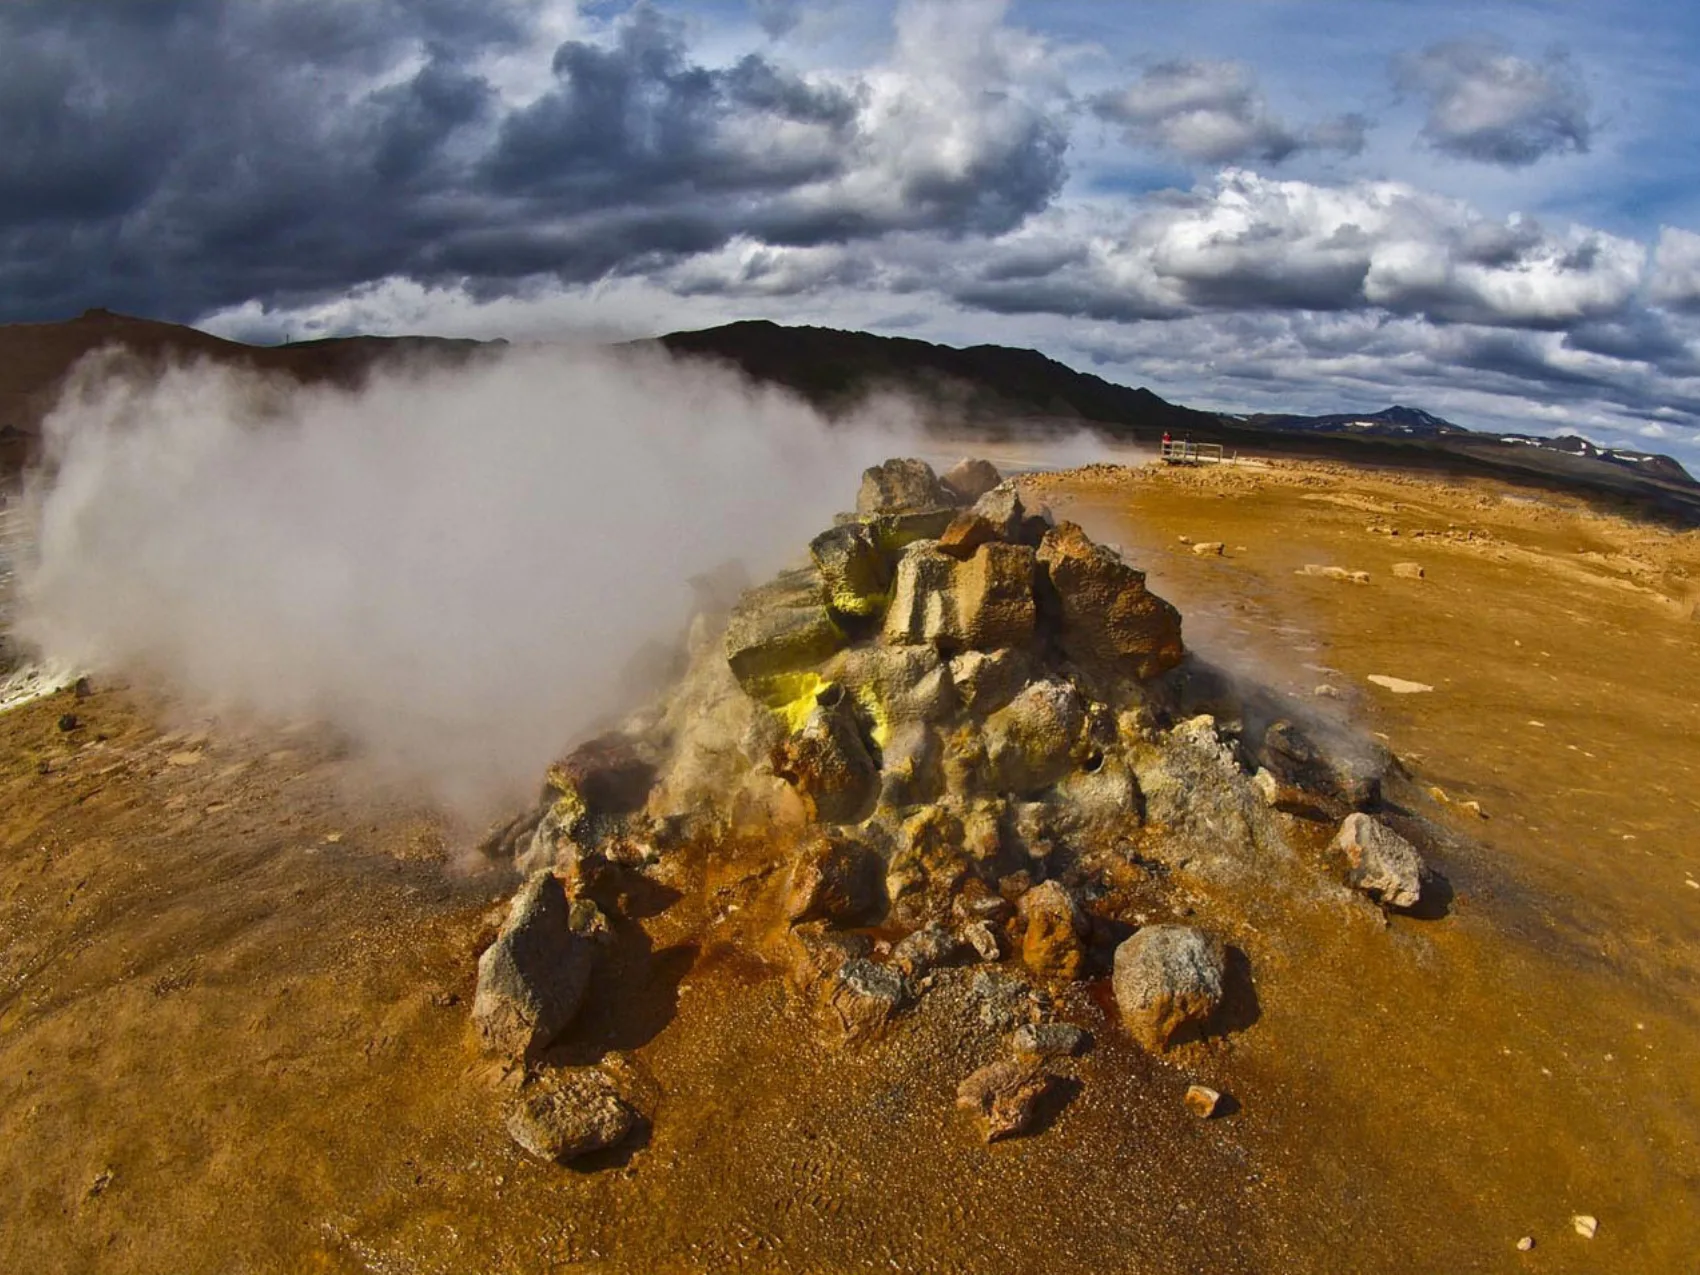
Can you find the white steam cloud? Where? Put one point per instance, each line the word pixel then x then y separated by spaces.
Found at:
pixel 454 567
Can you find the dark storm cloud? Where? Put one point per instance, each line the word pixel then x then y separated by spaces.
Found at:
pixel 177 157
pixel 1486 104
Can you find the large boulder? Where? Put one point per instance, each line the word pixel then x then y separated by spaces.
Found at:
pixel 1003 509
pixel 898 486
pixel 1107 622
pixel 984 602
pixel 827 763
pixel 1030 741
pixel 1301 767
pixel 968 480
pixel 834 878
pixel 532 979
pixel 1054 943
pixel 854 569
pixel 1380 862
pixel 994 597
pixel 1167 982
pixel 966 533
pixel 569 1114
pixel 895 685
pixel 778 634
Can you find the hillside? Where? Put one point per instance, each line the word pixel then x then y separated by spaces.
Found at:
pixel 994 391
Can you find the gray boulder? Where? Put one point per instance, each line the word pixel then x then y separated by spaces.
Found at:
pixel 925 950
pixel 1167 981
pixel 1030 741
pixel 1106 620
pixel 987 680
pixel 1003 509
pixel 1050 1040
pixel 902 485
pixel 570 1114
pixel 532 979
pixel 853 568
pixel 1380 862
pixel 968 480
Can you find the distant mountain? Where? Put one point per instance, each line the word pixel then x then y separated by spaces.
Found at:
pixel 1391 422
pixel 1651 464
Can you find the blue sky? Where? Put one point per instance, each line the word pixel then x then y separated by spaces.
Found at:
pixel 1491 213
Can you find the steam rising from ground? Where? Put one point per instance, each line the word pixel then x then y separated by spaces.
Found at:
pixel 454 567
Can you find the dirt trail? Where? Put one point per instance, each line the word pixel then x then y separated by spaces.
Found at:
pixel 234 983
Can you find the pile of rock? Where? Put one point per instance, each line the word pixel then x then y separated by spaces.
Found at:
pixel 963 723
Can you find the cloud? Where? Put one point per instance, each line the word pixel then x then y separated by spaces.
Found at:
pixel 305 149
pixel 1675 278
pixel 1486 104
pixel 1246 241
pixel 1213 112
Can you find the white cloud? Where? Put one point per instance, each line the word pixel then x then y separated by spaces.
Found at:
pixel 1675 277
pixel 1485 103
pixel 1214 112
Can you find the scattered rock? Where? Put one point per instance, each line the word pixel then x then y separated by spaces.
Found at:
pixel 569 1114
pixel 901 485
pixel 966 533
pixel 834 879
pixel 827 763
pixel 1202 1101
pixel 862 997
pixel 1408 570
pixel 968 480
pixel 1004 1001
pixel 1167 981
pixel 1030 741
pixel 1398 685
pixel 985 681
pixel 817 951
pixel 1209 548
pixel 1039 1041
pixel 532 979
pixel 1526 1243
pixel 1004 510
pixel 1587 1227
pixel 1300 769
pixel 1004 1096
pixel 1054 943
pixel 69 722
pixel 1327 692
pixel 1382 863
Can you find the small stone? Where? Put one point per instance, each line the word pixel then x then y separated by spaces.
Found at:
pixel 1398 685
pixel 1382 863
pixel 192 757
pixel 1054 944
pixel 1327 692
pixel 983 939
pixel 1202 1101
pixel 925 950
pixel 862 997
pixel 1005 1096
pixel 1050 1040
pixel 1585 1225
pixel 1408 570
pixel 1526 1243
pixel 569 1115
pixel 1209 548
pixel 69 722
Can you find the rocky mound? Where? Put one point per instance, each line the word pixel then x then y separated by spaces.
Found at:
pixel 974 742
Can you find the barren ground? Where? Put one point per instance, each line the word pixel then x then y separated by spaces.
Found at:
pixel 234 984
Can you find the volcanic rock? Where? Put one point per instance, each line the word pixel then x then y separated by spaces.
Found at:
pixel 1004 1001
pixel 1297 762
pixel 817 951
pixel 987 680
pixel 927 866
pixel 1040 1041
pixel 893 685
pixel 1054 943
pixel 966 533
pixel 827 763
pixel 834 879
pixel 1004 510
pixel 903 485
pixel 862 997
pixel 532 979
pixel 1167 981
pixel 1202 1101
pixel 570 1114
pixel 994 597
pixel 1381 863
pixel 980 936
pixel 1408 570
pixel 968 480
pixel 1004 1096
pixel 855 572
pixel 778 633
pixel 924 950
pixel 1030 741
pixel 1108 622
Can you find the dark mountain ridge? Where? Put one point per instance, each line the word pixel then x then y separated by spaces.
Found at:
pixel 989 390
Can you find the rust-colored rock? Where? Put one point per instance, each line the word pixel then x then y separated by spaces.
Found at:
pixel 1107 621
pixel 834 879
pixel 966 533
pixel 1054 943
pixel 1004 1096
pixel 829 766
